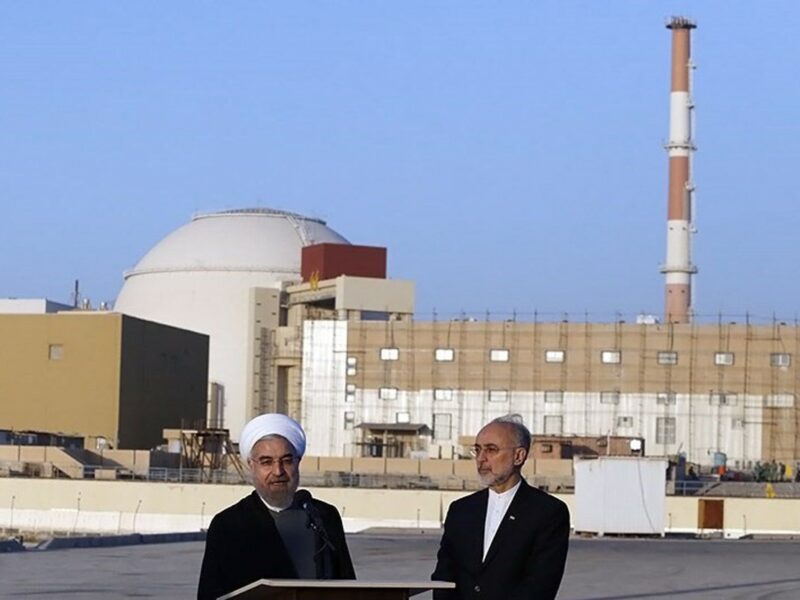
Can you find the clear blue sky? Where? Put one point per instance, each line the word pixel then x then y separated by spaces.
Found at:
pixel 509 154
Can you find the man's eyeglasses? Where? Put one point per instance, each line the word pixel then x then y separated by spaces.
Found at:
pixel 489 450
pixel 268 461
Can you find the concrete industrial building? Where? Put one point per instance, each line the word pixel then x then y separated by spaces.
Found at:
pixel 229 275
pixel 31 306
pixel 713 392
pixel 115 380
pixel 363 387
pixel 206 277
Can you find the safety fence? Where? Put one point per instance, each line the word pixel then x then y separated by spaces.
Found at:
pixel 347 479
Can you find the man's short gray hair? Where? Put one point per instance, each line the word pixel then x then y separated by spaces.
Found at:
pixel 522 436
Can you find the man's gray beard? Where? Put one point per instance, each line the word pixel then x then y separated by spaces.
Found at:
pixel 492 479
pixel 487 480
pixel 281 500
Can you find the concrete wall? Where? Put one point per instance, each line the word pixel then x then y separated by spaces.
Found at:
pixel 549 467
pixel 163 382
pixel 31 306
pixel 429 467
pixel 100 375
pixel 380 295
pixel 76 391
pixel 138 461
pixel 263 348
pixel 73 463
pixel 754 515
pixel 128 506
pixel 40 459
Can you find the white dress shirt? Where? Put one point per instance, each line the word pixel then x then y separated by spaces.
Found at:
pixel 495 511
pixel 269 506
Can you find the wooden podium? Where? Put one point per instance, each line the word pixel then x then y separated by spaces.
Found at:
pixel 333 589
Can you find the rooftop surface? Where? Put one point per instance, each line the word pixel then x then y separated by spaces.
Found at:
pixel 270 212
pixel 597 568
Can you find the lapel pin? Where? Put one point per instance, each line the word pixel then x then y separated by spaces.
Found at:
pixel 512 517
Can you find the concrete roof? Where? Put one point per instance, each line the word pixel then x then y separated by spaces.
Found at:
pixel 237 240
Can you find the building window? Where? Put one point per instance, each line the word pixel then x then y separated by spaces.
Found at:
pixel 611 357
pixel 553 425
pixel 780 359
pixel 55 352
pixel 665 430
pixel 351 371
pixel 609 397
pixel 349 420
pixel 442 427
pixel 352 361
pixel 554 396
pixel 443 394
pixel 402 417
pixel 387 393
pixel 737 423
pixel 555 356
pixel 624 421
pixel 779 400
pixel 723 399
pixel 351 388
pixel 350 392
pixel 498 355
pixel 667 358
pixel 723 359
pixel 498 395
pixel 390 353
pixel 666 398
pixel 444 354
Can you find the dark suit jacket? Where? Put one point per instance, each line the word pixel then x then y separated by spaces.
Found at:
pixel 243 545
pixel 527 555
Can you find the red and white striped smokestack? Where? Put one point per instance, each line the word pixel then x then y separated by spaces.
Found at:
pixel 679 269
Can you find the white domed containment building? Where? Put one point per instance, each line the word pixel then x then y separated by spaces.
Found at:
pixel 226 274
pixel 201 276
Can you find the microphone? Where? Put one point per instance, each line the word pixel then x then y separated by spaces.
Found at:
pixel 303 499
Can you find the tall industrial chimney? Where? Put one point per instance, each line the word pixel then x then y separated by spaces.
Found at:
pixel 679 269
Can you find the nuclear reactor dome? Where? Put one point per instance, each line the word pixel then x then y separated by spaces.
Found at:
pixel 199 277
pixel 245 240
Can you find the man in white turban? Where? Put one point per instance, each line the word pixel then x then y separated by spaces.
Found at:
pixel 272 446
pixel 277 532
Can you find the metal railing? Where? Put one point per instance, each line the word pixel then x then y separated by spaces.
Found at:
pixel 182 475
pixel 689 487
pixel 345 479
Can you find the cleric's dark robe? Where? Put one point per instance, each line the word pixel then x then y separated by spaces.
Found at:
pixel 243 545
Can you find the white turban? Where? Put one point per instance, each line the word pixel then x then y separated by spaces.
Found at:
pixel 272 424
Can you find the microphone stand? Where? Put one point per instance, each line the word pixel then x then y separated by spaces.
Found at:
pixel 315 521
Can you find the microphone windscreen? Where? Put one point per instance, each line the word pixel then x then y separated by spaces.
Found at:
pixel 302 497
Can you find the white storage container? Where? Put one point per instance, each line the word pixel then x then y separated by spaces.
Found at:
pixel 622 495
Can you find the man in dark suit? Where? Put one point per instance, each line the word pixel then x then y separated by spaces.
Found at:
pixel 276 532
pixel 507 542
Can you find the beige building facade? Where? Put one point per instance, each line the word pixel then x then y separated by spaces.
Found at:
pixel 116 380
pixel 276 335
pixel 713 392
